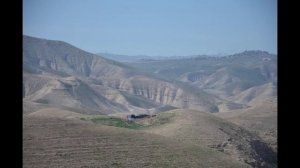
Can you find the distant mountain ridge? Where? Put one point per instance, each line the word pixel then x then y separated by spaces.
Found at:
pixel 106 82
pixel 138 58
pixel 224 76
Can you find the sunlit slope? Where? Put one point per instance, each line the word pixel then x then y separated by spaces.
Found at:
pixel 226 77
pixel 58 138
pixel 106 82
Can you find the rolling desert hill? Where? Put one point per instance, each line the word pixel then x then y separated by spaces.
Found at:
pixel 58 138
pixel 40 56
pixel 257 94
pixel 225 77
pixel 260 119
pixel 206 65
pixel 69 91
pixel 176 138
pixel 64 71
pixel 200 128
pixel 75 105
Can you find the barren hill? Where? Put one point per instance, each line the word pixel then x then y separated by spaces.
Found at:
pixel 260 119
pixel 61 71
pixel 75 105
pixel 257 94
pixel 58 138
pixel 200 128
pixel 224 77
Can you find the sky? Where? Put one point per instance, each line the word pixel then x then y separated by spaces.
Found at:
pixel 155 27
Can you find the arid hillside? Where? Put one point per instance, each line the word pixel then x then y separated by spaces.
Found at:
pixel 59 138
pixel 260 120
pixel 237 78
pixel 84 110
pixel 200 128
pixel 60 69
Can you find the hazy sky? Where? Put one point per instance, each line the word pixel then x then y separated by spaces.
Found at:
pixel 155 27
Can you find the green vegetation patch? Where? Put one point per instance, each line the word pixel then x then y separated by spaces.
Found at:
pixel 113 121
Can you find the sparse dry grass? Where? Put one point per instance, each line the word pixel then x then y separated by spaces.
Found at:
pixel 204 129
pixel 60 142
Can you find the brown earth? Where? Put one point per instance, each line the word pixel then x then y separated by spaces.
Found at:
pixel 57 138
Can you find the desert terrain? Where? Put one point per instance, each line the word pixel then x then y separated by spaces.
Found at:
pixel 201 111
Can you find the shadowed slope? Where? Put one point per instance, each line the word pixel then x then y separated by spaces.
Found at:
pixel 200 128
pixel 261 119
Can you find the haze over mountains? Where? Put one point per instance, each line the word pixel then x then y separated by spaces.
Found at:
pixel 63 83
pixel 241 79
pixel 112 82
pixel 135 58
